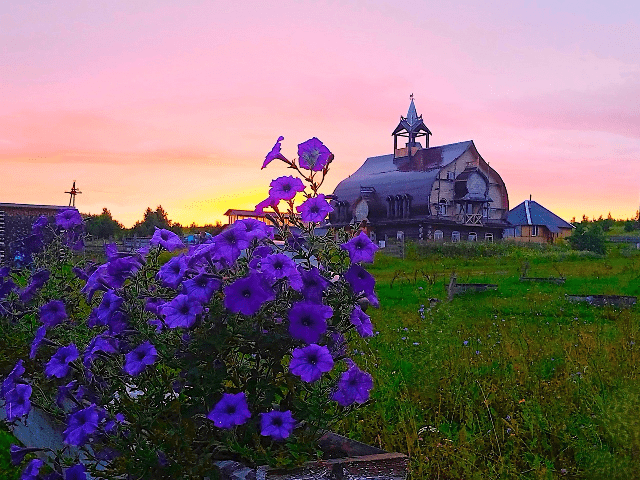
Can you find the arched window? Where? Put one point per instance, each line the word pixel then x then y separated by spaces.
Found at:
pixel 455 236
pixel 488 237
pixel 438 235
pixel 473 237
pixel 442 207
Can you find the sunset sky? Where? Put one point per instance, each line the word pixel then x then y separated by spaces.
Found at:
pixel 176 103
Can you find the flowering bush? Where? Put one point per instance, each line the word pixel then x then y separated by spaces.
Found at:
pixel 233 349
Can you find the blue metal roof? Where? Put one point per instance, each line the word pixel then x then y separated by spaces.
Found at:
pixel 531 212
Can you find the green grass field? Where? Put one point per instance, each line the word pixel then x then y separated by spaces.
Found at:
pixel 513 383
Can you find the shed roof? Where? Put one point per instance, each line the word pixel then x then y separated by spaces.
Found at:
pixel 531 212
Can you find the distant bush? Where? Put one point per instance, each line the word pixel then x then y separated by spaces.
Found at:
pixel 588 237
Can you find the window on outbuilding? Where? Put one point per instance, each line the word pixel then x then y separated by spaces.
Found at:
pixel 488 237
pixel 473 237
pixel 534 230
pixel 442 207
pixel 438 235
pixel 455 236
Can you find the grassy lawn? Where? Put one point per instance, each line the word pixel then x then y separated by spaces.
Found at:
pixel 513 383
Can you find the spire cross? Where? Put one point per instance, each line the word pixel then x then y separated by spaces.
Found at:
pixel 74 191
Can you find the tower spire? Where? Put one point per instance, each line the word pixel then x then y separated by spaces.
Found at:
pixel 412 114
pixel 73 192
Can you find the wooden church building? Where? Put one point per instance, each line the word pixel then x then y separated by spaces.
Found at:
pixel 446 193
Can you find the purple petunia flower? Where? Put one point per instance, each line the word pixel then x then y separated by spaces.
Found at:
pixel 285 188
pixel 353 386
pixel 37 340
pixel 360 248
pixel 154 305
pixel 100 343
pixel 17 403
pixel 313 284
pixel 68 218
pixel 181 312
pixel 230 411
pixel 81 425
pixel 201 287
pixel 277 425
pixel 41 222
pixel 247 294
pixel 117 323
pixel 267 202
pixel 32 470
pixel 172 272
pixel 120 269
pixel 313 155
pixel 360 280
pixel 310 362
pixel 10 381
pixel 362 322
pixel 314 209
pixel 38 280
pixel 77 472
pixel 279 266
pixel 140 358
pixel 167 239
pixel 108 306
pixel 53 313
pixel 337 344
pixel 18 453
pixel 254 229
pixel 274 153
pixel 308 321
pixel 230 243
pixel 58 366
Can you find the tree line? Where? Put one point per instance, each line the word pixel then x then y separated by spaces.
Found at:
pixel 104 226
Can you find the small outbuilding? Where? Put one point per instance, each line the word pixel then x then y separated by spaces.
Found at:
pixel 531 222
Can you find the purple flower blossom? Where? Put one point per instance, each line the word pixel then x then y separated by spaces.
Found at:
pixel 139 358
pixel 310 362
pixel 230 411
pixel 362 322
pixel 58 366
pixel 154 305
pixel 120 269
pixel 313 284
pixel 360 280
pixel 285 188
pixel 337 344
pixel 99 343
pixel 53 313
pixel 10 381
pixel 314 209
pixel 18 453
pixel 81 425
pixel 41 222
pixel 247 294
pixel 167 239
pixel 38 280
pixel 77 472
pixel 267 202
pixel 360 248
pixel 117 323
pixel 313 155
pixel 37 340
pixel 279 266
pixel 108 306
pixel 230 243
pixel 68 218
pixel 32 470
pixel 308 321
pixel 201 287
pixel 274 153
pixel 172 272
pixel 17 403
pixel 6 287
pixel 353 386
pixel 254 229
pixel 277 425
pixel 181 312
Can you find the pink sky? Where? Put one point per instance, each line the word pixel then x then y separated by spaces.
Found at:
pixel 148 103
